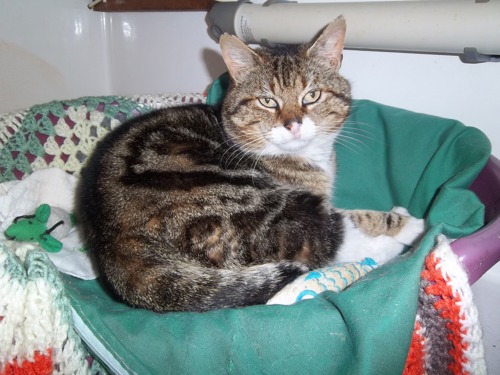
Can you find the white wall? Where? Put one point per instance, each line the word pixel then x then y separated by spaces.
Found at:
pixel 48 50
pixel 57 49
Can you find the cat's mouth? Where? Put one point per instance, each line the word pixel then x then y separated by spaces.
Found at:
pixel 294 144
pixel 294 138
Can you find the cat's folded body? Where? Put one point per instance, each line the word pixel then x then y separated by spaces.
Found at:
pixel 193 209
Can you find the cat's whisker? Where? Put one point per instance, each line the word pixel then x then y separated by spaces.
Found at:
pixel 351 144
pixel 360 136
pixel 358 125
pixel 235 154
pixel 253 168
pixel 256 155
pixel 241 151
pixel 255 163
pixel 234 149
pixel 354 139
pixel 359 132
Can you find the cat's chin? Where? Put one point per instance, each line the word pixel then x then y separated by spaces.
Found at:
pixel 293 147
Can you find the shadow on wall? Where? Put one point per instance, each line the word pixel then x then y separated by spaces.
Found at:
pixel 213 62
pixel 26 79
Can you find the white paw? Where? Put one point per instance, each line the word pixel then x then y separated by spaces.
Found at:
pixel 400 210
pixel 413 229
pixel 357 245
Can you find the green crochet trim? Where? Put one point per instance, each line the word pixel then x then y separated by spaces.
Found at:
pixel 10 266
pixel 60 133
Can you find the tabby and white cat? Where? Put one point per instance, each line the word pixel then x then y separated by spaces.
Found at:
pixel 193 209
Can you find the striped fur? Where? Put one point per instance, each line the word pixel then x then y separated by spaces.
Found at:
pixel 193 209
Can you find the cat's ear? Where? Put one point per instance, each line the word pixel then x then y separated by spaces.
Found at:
pixel 239 58
pixel 329 45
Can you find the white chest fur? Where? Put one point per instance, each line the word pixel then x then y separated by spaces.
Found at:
pixel 306 142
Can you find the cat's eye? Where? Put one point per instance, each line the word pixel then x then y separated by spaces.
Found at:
pixel 311 97
pixel 268 102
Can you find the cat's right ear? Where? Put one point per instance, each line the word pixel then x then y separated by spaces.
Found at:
pixel 239 58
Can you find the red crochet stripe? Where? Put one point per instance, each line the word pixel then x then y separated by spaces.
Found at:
pixel 41 365
pixel 415 363
pixel 448 307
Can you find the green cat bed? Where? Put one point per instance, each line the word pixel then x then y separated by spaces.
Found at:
pixel 400 158
pixel 386 157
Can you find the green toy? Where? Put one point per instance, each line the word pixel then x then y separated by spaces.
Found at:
pixel 33 228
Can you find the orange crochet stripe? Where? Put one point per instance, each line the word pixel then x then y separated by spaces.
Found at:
pixel 415 363
pixel 41 365
pixel 448 307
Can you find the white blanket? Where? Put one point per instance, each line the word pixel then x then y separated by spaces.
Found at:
pixel 56 188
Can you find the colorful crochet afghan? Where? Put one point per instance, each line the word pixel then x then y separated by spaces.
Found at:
pixel 447 334
pixel 63 133
pixel 36 329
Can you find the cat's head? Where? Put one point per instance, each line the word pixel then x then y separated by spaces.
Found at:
pixel 285 100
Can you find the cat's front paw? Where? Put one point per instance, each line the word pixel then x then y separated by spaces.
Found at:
pixel 412 229
pixel 402 230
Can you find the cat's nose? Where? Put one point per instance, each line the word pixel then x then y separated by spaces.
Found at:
pixel 294 128
pixel 289 124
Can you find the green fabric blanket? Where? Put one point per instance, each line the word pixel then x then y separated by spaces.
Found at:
pixel 386 157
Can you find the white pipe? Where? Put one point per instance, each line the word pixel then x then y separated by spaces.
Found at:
pixel 415 26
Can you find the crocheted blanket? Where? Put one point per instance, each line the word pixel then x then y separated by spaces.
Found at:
pixel 36 327
pixel 53 323
pixel 447 335
pixel 62 133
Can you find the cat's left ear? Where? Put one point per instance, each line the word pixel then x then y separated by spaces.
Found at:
pixel 329 45
pixel 239 58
